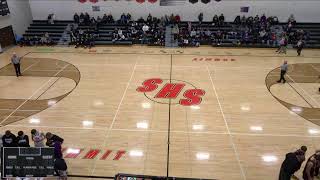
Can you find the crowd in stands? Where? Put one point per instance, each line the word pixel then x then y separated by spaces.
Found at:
pixel 244 31
pixel 38 138
pixel 45 39
pixel 83 38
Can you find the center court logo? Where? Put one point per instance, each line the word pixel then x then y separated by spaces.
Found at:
pixel 166 91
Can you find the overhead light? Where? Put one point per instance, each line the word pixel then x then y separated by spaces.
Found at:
pixel 313 131
pixel 195 107
pixel 52 102
pixel 197 127
pixel 142 125
pixel 136 153
pixel 203 156
pixel 98 103
pixel 245 107
pixel 146 105
pixel 256 128
pixel 296 109
pixel 269 158
pixel 87 123
pixel 73 151
pixel 34 121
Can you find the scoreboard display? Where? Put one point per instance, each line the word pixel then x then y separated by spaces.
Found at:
pixel 4 9
pixel 27 162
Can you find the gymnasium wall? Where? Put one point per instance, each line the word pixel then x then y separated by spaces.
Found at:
pixel 304 10
pixel 20 16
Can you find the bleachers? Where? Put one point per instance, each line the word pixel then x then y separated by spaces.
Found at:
pixel 39 27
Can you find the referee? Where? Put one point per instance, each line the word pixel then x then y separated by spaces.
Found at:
pixel 16 63
pixel 284 69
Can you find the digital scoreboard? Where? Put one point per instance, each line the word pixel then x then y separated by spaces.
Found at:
pixel 27 162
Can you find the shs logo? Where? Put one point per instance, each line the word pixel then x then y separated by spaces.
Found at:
pixel 175 92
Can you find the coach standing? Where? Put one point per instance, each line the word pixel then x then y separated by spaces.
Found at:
pixel 16 63
pixel 283 68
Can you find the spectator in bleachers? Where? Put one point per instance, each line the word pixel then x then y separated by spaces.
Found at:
pixel 218 37
pixel 86 19
pixel 93 21
pixel 193 33
pixel 129 17
pixel 52 138
pixel 99 20
pixel 221 19
pixel 51 18
pixel 189 27
pixel 263 36
pixel 256 19
pixel 76 18
pixel 9 139
pixel 81 20
pixel 291 19
pixel 44 39
pixel 237 20
pixel 149 19
pixel 110 19
pixel 105 19
pixel 263 19
pixel 123 19
pixel 200 18
pixel 215 20
pixel 145 28
pixel 38 138
pixel 177 18
pixel 243 20
pixel 207 33
pixel 22 139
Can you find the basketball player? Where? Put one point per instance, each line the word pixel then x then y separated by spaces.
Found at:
pixel 283 68
pixel 291 164
pixel 37 138
pixel 16 63
pixel 300 45
pixel 312 167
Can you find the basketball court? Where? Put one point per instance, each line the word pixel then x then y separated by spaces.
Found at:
pixel 213 113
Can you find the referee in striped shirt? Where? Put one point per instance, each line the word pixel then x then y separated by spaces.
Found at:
pixel 16 63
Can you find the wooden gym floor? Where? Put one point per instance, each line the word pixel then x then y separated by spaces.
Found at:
pixel 241 129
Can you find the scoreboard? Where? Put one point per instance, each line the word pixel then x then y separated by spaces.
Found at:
pixel 4 9
pixel 27 162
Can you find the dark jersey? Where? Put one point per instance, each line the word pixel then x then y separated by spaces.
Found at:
pixel 50 142
pixel 23 141
pixel 9 141
pixel 291 164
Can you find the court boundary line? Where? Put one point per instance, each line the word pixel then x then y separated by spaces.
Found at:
pixel 186 132
pixel 227 126
pixel 189 54
pixel 48 88
pixel 116 113
pixel 300 95
pixel 32 95
pixel 169 123
pixel 304 91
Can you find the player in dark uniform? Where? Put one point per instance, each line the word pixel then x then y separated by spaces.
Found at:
pixel 22 139
pixel 312 167
pixel 291 164
pixel 52 138
pixel 9 139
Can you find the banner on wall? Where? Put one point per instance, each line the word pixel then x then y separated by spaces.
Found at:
pixel 172 2
pixel 95 8
pixel 244 9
